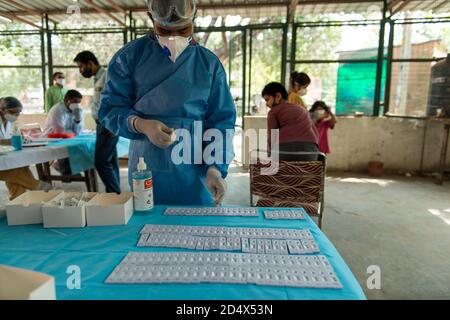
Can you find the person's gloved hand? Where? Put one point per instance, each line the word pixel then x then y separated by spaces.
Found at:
pixel 157 132
pixel 215 184
pixel 77 114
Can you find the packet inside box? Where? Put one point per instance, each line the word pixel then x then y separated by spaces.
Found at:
pixel 34 198
pixel 67 210
pixel 71 200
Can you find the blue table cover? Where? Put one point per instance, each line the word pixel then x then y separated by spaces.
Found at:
pixel 81 150
pixel 97 251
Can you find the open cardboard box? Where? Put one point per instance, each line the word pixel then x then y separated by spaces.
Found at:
pixel 27 209
pixel 21 284
pixel 110 209
pixel 55 216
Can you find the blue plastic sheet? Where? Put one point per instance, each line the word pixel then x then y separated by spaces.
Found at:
pixel 97 250
pixel 81 151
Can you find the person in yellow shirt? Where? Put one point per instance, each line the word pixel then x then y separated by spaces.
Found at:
pixel 17 180
pixel 300 82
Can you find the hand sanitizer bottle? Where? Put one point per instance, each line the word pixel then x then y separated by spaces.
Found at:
pixel 143 189
pixel 16 138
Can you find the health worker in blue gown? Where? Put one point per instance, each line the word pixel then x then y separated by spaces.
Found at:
pixel 166 82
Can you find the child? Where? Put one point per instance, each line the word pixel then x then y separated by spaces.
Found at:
pixel 297 132
pixel 324 120
pixel 299 88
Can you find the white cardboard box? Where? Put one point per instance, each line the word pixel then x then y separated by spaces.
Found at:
pixel 21 284
pixel 27 209
pixel 66 217
pixel 109 209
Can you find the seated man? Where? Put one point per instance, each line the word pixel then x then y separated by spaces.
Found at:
pixel 296 130
pixel 18 181
pixel 65 117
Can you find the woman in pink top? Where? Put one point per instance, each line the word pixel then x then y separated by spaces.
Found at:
pixel 296 130
pixel 324 120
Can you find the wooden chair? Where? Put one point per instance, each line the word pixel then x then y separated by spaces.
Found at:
pixel 296 184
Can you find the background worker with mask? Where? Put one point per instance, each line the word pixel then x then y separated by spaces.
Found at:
pixel 18 181
pixel 55 94
pixel 65 117
pixel 164 82
pixel 300 82
pixel 106 158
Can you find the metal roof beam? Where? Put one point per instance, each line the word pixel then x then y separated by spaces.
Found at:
pixel 213 6
pixel 20 6
pixel 115 6
pixel 439 6
pixel 400 7
pixel 13 17
pixel 105 12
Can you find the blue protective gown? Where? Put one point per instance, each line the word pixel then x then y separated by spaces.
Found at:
pixel 142 81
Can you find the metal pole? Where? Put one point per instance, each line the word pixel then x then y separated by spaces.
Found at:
pixel 293 47
pixel 250 68
pixel 131 26
pixel 284 50
pixel 49 50
pixel 379 75
pixel 244 71
pixel 43 59
pixel 125 36
pixel 230 59
pixel 390 54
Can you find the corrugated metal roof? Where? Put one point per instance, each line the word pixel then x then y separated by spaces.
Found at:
pixel 57 9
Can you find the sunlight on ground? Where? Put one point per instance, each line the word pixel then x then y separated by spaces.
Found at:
pixel 380 182
pixel 444 215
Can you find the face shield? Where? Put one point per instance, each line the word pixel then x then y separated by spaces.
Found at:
pixel 172 13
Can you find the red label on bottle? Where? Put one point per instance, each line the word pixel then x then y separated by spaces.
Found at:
pixel 148 184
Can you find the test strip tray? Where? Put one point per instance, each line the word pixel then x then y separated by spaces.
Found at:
pixel 230 268
pixel 213 211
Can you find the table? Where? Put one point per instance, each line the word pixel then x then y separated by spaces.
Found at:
pixel 97 250
pixel 79 150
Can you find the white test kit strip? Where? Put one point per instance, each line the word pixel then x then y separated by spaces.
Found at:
pixel 259 233
pixel 174 267
pixel 284 214
pixel 245 245
pixel 212 211
pixel 247 240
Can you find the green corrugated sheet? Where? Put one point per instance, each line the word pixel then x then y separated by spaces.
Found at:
pixel 356 83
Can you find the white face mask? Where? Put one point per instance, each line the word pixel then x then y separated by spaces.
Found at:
pixel 174 45
pixel 320 113
pixel 303 92
pixel 74 106
pixel 61 82
pixel 10 118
